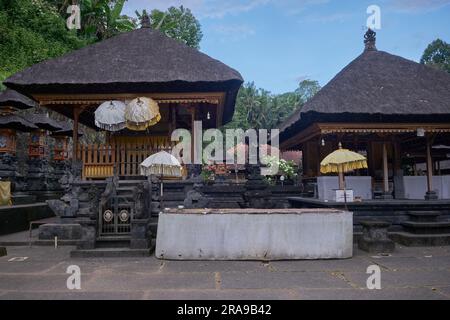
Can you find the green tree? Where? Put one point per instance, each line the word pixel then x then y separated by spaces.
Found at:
pixel 32 31
pixel 307 89
pixel 177 23
pixel 258 108
pixel 437 55
pixel 102 19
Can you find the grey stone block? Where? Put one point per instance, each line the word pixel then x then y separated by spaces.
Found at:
pixel 62 231
pixel 375 237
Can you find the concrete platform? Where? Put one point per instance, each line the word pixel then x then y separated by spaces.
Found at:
pixel 407 274
pixel 254 234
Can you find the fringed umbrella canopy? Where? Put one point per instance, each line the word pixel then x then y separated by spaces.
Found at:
pixel 342 160
pixel 110 116
pixel 161 164
pixel 141 113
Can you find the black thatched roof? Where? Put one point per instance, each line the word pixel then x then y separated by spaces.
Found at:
pixel 44 122
pixel 11 98
pixel 377 87
pixel 16 122
pixel 140 61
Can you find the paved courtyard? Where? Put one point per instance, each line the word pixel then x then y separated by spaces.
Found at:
pixel 409 273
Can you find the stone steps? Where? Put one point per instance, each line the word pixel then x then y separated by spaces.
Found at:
pixel 423 216
pixel 112 242
pixel 423 229
pixel 439 227
pixel 420 240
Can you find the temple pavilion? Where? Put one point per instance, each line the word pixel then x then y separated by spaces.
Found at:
pixel 187 85
pixel 394 111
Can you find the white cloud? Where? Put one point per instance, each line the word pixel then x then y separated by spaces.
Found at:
pixel 418 6
pixel 329 18
pixel 233 32
pixel 221 8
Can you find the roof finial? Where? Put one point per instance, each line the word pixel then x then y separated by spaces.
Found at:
pixel 145 21
pixel 370 39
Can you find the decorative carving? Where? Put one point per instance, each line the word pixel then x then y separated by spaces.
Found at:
pixel 138 195
pixel 370 39
pixel 124 215
pixel 108 216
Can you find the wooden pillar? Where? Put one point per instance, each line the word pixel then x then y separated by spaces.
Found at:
pixel 430 194
pixel 192 112
pixel 385 168
pixel 399 187
pixel 319 155
pixel 429 167
pixel 173 116
pixel 76 115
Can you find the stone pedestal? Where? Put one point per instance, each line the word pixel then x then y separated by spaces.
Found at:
pixel 375 237
pixel 431 195
pixel 386 196
pixel 67 231
pixel 140 234
pixel 88 234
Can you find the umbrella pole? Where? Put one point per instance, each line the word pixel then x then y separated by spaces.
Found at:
pixel 161 202
pixel 342 185
pixel 341 179
pixel 345 194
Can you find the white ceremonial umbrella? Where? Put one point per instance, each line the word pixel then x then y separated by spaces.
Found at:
pixel 161 164
pixel 141 113
pixel 110 115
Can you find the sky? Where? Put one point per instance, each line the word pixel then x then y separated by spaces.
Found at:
pixel 278 43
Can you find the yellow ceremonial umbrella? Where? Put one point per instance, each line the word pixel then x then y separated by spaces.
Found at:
pixel 341 161
pixel 141 113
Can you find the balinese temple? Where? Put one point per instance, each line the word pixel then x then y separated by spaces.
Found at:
pixel 177 84
pixel 394 111
pixel 186 84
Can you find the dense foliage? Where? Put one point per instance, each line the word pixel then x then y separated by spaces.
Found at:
pixel 177 23
pixel 437 55
pixel 258 108
pixel 30 32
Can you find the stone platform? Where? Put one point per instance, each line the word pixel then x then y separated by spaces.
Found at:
pixel 394 211
pixel 254 234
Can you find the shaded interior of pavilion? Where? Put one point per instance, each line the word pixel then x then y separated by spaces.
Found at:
pixel 403 163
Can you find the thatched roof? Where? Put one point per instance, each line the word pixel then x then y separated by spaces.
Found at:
pixel 16 122
pixel 378 87
pixel 43 121
pixel 140 61
pixel 66 130
pixel 11 98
